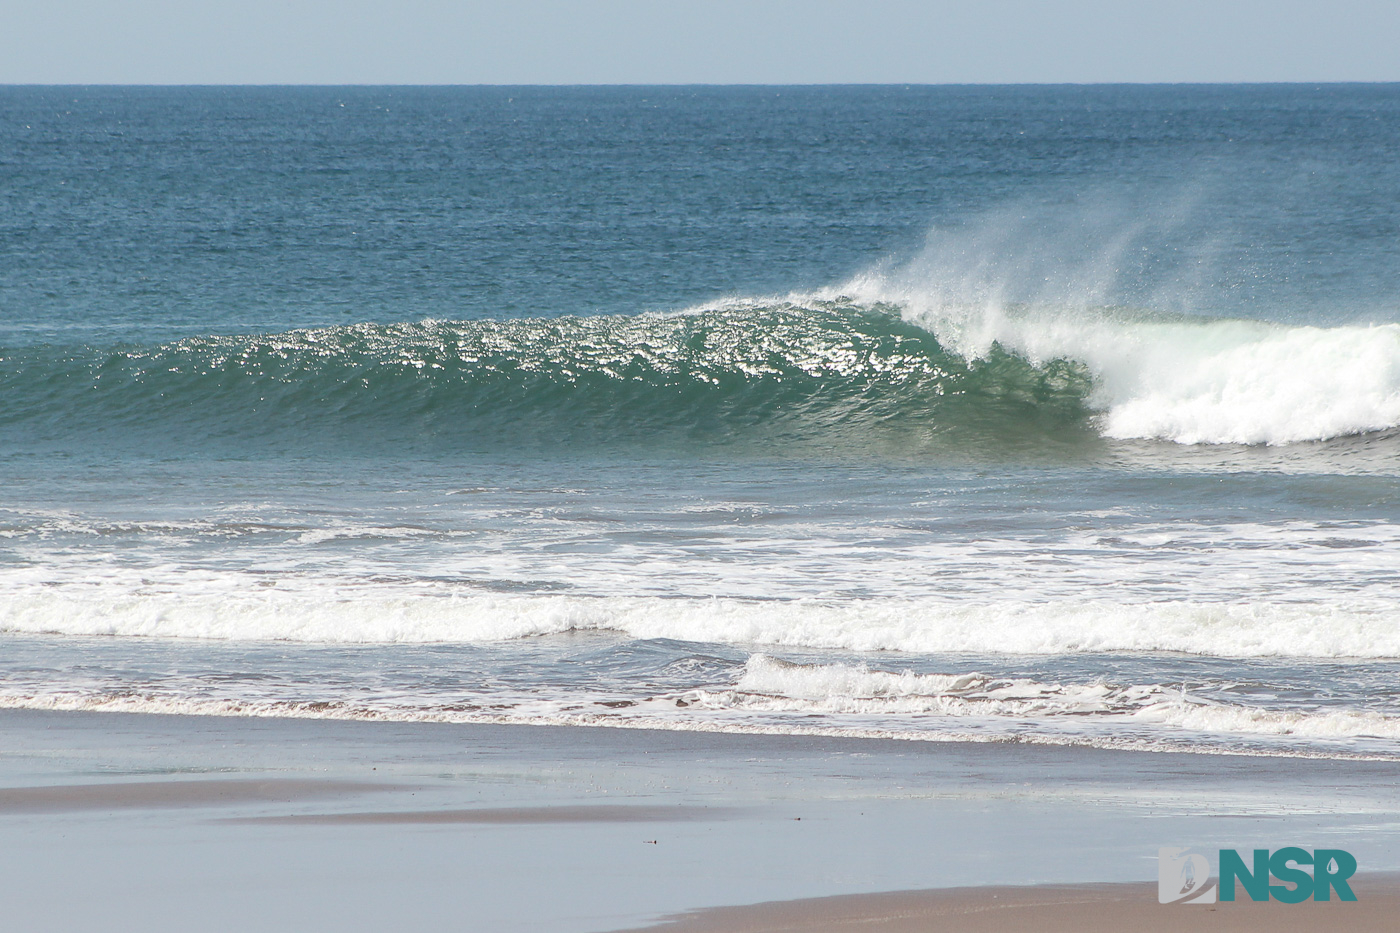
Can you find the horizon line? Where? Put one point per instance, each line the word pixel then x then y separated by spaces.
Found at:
pixel 689 84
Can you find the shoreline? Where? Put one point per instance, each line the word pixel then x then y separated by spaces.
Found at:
pixel 1168 745
pixel 1079 908
pixel 362 825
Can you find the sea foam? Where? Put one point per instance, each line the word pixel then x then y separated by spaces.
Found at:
pixel 771 685
pixel 1180 378
pixel 776 697
pixel 1362 629
pixel 1064 283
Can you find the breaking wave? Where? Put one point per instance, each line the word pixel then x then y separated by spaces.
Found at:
pixel 1366 629
pixel 772 685
pixel 776 697
pixel 854 367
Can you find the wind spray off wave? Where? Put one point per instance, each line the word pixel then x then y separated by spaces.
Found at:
pixel 868 363
pixel 1180 378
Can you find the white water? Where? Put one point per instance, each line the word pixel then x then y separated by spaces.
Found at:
pixel 1360 629
pixel 1192 381
pixel 1153 566
pixel 770 685
pixel 763 696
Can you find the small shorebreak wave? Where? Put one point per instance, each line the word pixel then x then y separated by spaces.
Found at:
pixel 771 685
pixel 767 695
pixel 858 367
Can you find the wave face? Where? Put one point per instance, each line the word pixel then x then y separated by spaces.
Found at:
pixel 866 364
pixel 1225 382
pixel 1184 379
pixel 828 369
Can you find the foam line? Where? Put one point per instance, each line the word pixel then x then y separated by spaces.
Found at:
pixel 1363 629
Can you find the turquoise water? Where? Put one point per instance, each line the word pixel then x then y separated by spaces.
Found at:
pixel 1057 414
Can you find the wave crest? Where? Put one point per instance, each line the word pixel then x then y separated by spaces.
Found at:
pixel 827 370
pixel 371 614
pixel 1180 378
pixel 873 363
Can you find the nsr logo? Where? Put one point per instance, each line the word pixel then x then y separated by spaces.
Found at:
pixel 1184 875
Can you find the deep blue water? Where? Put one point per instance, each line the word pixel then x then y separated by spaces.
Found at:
pixel 156 212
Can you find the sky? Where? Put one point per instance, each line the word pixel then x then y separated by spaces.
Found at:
pixel 695 42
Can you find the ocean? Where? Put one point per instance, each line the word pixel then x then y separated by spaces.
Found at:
pixel 1063 415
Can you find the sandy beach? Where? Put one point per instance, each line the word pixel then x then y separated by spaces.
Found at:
pixel 1085 908
pixel 171 822
pixel 158 795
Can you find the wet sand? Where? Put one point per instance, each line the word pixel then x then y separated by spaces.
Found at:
pixel 160 824
pixel 69 798
pixel 1085 908
pixel 597 813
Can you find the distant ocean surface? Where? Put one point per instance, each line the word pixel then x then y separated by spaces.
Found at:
pixel 1039 414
